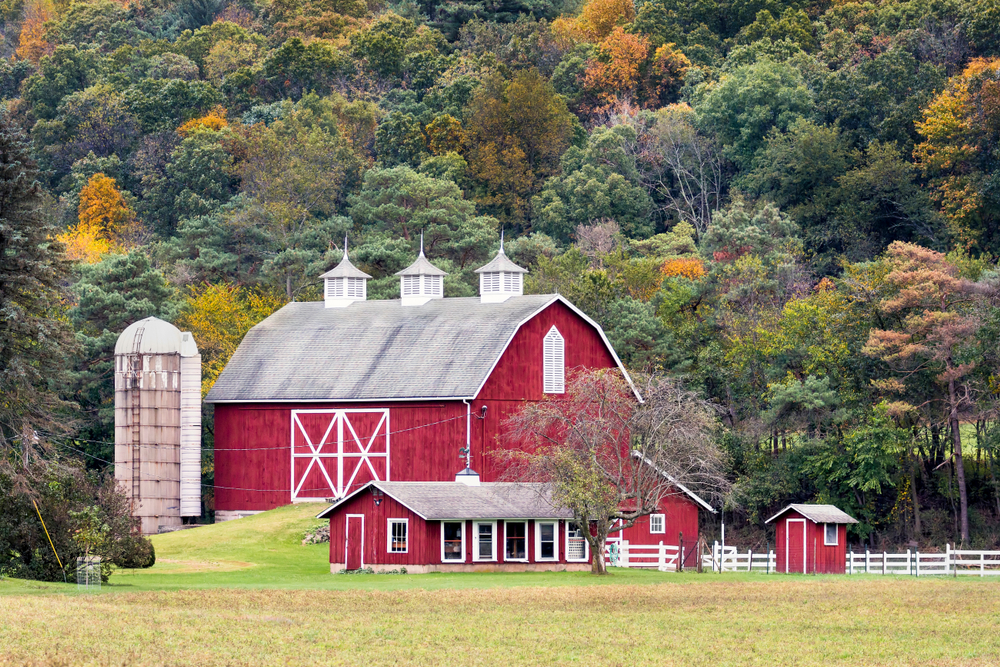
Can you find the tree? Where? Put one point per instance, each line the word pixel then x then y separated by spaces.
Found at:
pixel 612 459
pixel 516 134
pixel 32 44
pixel 34 338
pixel 933 333
pixel 219 316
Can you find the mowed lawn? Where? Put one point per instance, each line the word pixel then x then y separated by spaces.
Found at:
pixel 247 593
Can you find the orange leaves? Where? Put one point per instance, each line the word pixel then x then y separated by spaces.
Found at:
pixel 445 135
pixel 32 44
pixel 106 223
pixel 596 21
pixel 616 70
pixel 691 268
pixel 214 120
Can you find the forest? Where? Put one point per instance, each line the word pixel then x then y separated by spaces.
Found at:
pixel 792 205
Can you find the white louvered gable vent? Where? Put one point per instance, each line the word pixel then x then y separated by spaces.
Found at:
pixel 335 287
pixel 356 288
pixel 554 363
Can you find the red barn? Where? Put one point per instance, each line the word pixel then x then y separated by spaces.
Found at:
pixel 811 539
pixel 323 398
pixel 453 527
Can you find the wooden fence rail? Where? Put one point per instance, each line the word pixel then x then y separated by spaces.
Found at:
pixel 665 557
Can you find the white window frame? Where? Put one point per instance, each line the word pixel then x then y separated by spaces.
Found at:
pixel 475 541
pixel 515 560
pixel 586 546
pixel 538 541
pixel 388 535
pixel 453 560
pixel 554 362
pixel 663 524
pixel 826 535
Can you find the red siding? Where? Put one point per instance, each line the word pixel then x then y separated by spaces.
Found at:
pixel 253 457
pixel 424 538
pixel 680 516
pixel 820 559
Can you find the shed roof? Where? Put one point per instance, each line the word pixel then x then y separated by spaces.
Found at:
pixel 455 500
pixel 818 513
pixel 445 349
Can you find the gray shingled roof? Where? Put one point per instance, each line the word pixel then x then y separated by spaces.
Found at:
pixel 421 267
pixel 818 513
pixel 345 270
pixel 454 500
pixel 501 263
pixel 373 350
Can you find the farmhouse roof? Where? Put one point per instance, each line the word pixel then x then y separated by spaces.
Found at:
pixel 371 350
pixel 455 500
pixel 818 514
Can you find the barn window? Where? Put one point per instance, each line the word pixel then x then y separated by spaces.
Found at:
pixel 657 523
pixel 576 544
pixel 398 534
pixel 545 540
pixel 485 547
pixel 830 534
pixel 516 547
pixel 554 362
pixel 453 541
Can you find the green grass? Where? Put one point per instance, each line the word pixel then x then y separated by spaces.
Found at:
pixel 248 593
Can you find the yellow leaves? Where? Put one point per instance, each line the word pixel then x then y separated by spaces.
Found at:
pixel 32 44
pixel 219 316
pixel 596 21
pixel 106 223
pixel 215 120
pixel 617 70
pixel 691 268
pixel 445 135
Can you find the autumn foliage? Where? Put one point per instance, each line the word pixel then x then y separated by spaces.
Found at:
pixel 213 120
pixel 106 222
pixel 691 268
pixel 32 43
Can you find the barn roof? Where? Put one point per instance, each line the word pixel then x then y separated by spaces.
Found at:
pixel 818 514
pixel 370 350
pixel 455 500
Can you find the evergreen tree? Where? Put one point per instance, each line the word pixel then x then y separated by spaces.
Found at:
pixel 33 337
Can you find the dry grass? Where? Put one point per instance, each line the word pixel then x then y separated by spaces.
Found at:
pixel 692 621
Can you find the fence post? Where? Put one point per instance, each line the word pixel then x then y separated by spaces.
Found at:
pixel 868 559
pixel 767 554
pixel 680 551
pixel 947 557
pixel 909 562
pixel 623 556
pixel 916 559
pixel 715 555
pixel 851 556
pixel 661 561
pixel 883 562
pixel 750 560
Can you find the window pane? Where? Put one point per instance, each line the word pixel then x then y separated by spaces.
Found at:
pixel 485 541
pixel 547 540
pixel 831 533
pixel 453 540
pixel 516 541
pixel 398 542
pixel 576 547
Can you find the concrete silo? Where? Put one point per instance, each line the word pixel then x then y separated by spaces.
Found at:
pixel 158 423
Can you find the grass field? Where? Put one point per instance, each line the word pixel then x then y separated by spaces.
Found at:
pixel 247 593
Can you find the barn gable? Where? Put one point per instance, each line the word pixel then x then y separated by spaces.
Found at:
pixel 377 350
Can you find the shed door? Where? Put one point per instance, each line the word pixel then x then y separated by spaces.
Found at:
pixel 354 547
pixel 795 545
pixel 335 451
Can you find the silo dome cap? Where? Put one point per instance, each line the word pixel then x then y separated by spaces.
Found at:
pixel 158 337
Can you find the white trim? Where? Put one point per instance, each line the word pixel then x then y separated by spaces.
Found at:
pixel 663 524
pixel 453 560
pixel 475 541
pixel 694 496
pixel 538 541
pixel 347 535
pixel 388 535
pixel 836 534
pixel 524 522
pixel 316 455
pixel 586 545
pixel 553 362
pixel 805 562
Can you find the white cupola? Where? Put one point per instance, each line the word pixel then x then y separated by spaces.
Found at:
pixel 421 281
pixel 500 279
pixel 344 284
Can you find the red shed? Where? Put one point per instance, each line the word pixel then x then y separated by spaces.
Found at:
pixel 811 539
pixel 322 398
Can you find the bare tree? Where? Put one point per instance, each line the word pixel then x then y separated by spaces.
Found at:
pixel 597 240
pixel 611 458
pixel 685 167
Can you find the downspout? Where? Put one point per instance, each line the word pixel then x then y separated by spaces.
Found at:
pixel 468 433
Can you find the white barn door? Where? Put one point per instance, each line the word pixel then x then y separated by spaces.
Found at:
pixel 334 451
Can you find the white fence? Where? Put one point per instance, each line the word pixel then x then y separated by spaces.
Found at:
pixel 952 562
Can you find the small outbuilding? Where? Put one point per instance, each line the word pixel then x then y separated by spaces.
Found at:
pixel 811 539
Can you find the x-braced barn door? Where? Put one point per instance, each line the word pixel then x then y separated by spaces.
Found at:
pixel 334 451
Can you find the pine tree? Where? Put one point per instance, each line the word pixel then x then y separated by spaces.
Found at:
pixel 34 338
